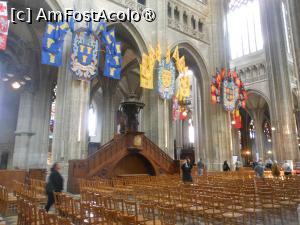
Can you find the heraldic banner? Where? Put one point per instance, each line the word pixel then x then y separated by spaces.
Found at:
pixel 52 43
pixel 84 56
pixel 4 24
pixel 166 78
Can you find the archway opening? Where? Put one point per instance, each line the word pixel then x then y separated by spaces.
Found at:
pixel 256 132
pixel 107 94
pixel 188 132
pixel 133 164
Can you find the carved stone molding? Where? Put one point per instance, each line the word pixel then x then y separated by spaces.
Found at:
pixel 185 19
pixel 188 30
pixel 253 73
pixel 131 4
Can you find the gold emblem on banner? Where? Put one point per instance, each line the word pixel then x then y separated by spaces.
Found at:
pixel 166 78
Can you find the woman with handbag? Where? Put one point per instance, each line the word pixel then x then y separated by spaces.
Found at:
pixel 55 184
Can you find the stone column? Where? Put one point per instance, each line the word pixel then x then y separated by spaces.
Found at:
pixel 294 9
pixel 32 131
pixel 156 112
pixel 39 143
pixel 280 88
pixel 23 130
pixel 70 136
pixel 196 96
pixel 259 139
pixel 172 11
pixel 108 116
pixel 109 109
pixel 220 125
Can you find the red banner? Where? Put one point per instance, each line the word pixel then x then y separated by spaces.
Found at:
pixel 4 24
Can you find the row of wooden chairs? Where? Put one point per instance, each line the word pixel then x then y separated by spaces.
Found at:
pixel 30 192
pixel 7 202
pixel 104 209
pixel 38 186
pixel 252 197
pixel 29 213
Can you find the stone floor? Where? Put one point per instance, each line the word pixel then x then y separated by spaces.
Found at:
pixel 287 220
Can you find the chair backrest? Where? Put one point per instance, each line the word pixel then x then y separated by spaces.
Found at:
pixel 167 216
pixel 32 213
pixel 42 217
pixel 51 219
pixel 131 208
pixel 64 221
pixel 148 211
pixel 119 204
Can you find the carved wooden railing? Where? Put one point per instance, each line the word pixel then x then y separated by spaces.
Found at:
pixel 103 161
pixel 106 154
pixel 157 155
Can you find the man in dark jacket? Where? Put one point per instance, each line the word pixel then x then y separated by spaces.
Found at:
pixel 187 167
pixel 226 166
pixel 55 184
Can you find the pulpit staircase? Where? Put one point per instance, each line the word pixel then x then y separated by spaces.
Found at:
pixel 103 162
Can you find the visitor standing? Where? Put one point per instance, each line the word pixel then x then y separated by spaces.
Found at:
pixel 287 168
pixel 238 165
pixel 187 167
pixel 200 166
pixel 226 166
pixel 55 184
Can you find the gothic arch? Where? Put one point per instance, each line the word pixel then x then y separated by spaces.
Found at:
pixel 194 57
pixel 261 94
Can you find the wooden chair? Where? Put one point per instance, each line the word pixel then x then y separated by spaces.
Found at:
pixel 51 219
pixel 42 216
pixel 21 211
pixel 270 207
pixel 32 215
pixel 8 202
pixel 212 208
pixel 127 220
pixel 167 216
pixel 251 205
pixel 196 211
pixel 148 213
pixel 64 221
pixel 131 210
pixel 58 196
pixel 231 212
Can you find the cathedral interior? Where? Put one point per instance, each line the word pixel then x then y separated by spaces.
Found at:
pixel 149 112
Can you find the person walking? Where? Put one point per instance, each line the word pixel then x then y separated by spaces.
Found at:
pixel 187 167
pixel 200 166
pixel 55 184
pixel 226 166
pixel 259 169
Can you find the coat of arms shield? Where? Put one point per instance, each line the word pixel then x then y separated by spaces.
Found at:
pixel 230 94
pixel 84 56
pixel 166 79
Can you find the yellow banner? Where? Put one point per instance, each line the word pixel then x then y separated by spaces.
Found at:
pixel 184 88
pixel 146 71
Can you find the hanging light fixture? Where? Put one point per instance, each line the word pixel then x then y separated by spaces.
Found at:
pixel 16 85
pixel 14 77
